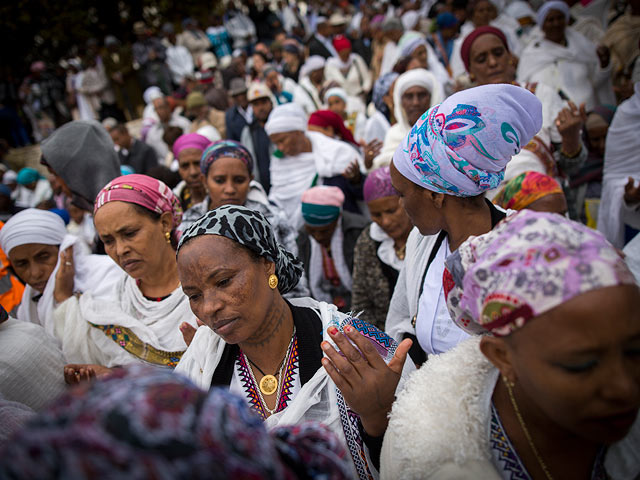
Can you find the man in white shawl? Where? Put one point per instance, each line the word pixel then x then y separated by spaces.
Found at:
pixel 566 60
pixel 406 110
pixel 307 92
pixel 302 158
pixel 33 240
pixel 621 173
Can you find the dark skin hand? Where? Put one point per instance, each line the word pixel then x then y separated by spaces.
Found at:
pixel 352 173
pixel 75 373
pixel 371 151
pixel 604 55
pixel 367 383
pixel 631 192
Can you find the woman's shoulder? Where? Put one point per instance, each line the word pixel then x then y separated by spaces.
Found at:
pixel 441 415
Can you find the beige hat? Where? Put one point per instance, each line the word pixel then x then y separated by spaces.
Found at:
pixel 338 19
pixel 194 100
pixel 258 90
pixel 207 61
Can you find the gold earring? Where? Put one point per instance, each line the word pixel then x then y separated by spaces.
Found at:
pixel 273 281
pixel 167 235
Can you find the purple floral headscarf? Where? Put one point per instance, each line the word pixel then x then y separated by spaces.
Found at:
pixel 529 264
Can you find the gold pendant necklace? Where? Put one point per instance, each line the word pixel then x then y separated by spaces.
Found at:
pixel 268 384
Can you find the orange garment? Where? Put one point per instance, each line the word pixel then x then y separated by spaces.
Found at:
pixel 11 289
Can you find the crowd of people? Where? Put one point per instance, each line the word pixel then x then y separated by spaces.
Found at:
pixel 329 240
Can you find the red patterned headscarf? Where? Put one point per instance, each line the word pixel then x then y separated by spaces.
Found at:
pixel 142 190
pixel 526 188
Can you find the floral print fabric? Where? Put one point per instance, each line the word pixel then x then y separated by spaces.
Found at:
pixel 529 264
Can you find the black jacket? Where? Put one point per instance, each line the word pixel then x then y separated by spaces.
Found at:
pixel 141 157
pixel 316 47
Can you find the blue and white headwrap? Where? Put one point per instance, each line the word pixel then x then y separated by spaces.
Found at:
pixel 380 89
pixel 461 147
pixel 546 7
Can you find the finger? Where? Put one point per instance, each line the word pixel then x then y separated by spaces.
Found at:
pixel 91 373
pixel 397 362
pixel 337 378
pixel 371 355
pixel 347 348
pixel 345 368
pixel 572 106
pixel 188 332
pixel 583 111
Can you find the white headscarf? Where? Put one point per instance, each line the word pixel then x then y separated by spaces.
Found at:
pixel 418 77
pixel 336 92
pixel 289 117
pixel 32 226
pixel 314 62
pixel 546 7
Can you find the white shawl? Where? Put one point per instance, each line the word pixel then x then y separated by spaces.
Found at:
pixel 316 272
pixel 620 163
pixel 95 274
pixel 291 176
pixel 154 323
pixel 575 69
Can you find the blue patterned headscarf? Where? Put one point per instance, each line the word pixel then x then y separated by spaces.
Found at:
pixel 462 146
pixel 225 148
pixel 380 89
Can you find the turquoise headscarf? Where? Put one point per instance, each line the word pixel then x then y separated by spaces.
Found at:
pixel 28 175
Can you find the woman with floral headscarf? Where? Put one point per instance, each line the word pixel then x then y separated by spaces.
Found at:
pixel 269 350
pixel 454 153
pixel 136 217
pixel 550 388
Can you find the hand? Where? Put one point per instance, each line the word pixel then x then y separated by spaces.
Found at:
pixel 631 193
pixel 189 331
pixel 367 383
pixel 352 172
pixel 75 373
pixel 604 55
pixel 371 151
pixel 569 122
pixel 64 278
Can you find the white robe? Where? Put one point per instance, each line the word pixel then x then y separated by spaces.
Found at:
pixel 291 176
pixel 357 81
pixel 156 324
pixel 620 163
pixel 574 69
pixel 307 96
pixel 95 274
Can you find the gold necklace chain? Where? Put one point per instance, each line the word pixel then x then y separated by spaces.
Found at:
pixel 279 376
pixel 526 430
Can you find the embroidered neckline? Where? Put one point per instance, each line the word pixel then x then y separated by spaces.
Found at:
pixel 251 388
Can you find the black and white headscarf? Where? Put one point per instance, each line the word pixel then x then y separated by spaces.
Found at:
pixel 251 230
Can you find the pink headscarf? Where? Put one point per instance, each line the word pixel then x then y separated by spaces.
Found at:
pixel 190 140
pixel 378 185
pixel 142 190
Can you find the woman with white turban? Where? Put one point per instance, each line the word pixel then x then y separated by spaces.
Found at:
pixel 34 240
pixel 414 92
pixel 454 153
pixel 566 60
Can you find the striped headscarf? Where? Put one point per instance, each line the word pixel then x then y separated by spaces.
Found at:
pixel 225 148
